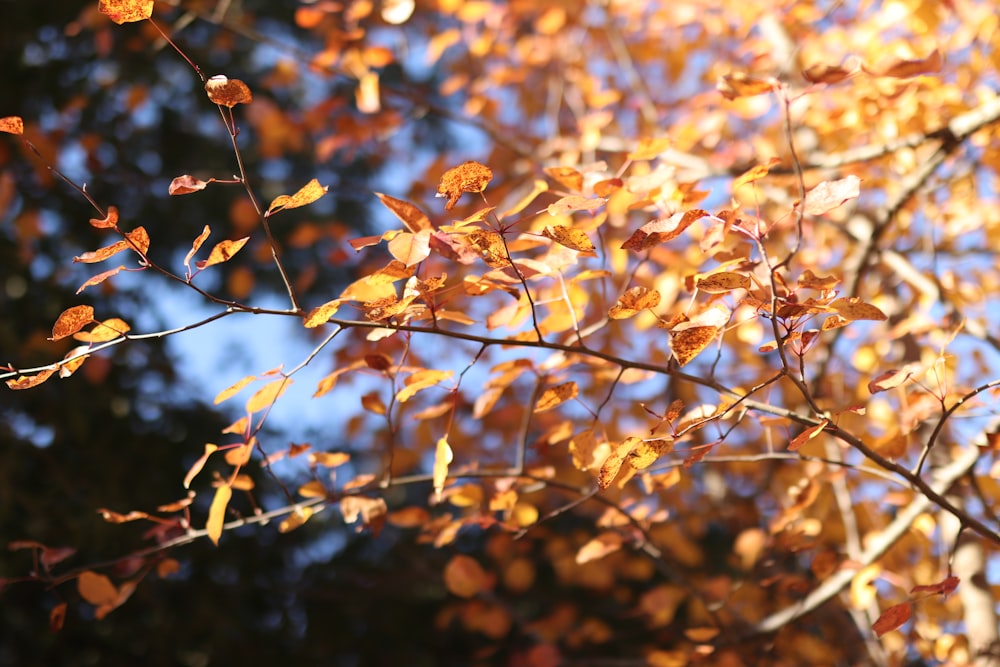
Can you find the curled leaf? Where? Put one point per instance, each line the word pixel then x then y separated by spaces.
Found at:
pixel 186 184
pixel 227 92
pixel 110 220
pixel 306 195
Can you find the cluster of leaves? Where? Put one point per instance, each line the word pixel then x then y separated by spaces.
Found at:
pixel 646 314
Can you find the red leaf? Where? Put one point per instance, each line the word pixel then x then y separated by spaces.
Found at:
pixel 945 587
pixel 892 618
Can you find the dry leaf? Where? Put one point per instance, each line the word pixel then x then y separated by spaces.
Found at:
pixel 306 195
pixel 442 457
pixel 575 203
pixel 468 177
pixel 568 177
pixel 686 344
pixel 12 124
pixel 892 618
pixel 555 396
pixel 854 309
pixel 126 11
pixel 634 301
pixel 222 252
pixel 807 435
pixel 723 282
pixel 574 239
pixel 411 216
pixel 227 92
pixel 828 195
pixel 72 320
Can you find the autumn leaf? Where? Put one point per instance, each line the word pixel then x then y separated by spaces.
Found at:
pixel 568 177
pixel 755 173
pixel 809 280
pixel 126 11
pixel 467 177
pixel 662 230
pixel 807 435
pixel 464 576
pixel 29 381
pixel 853 309
pixel 905 69
pixel 100 278
pixel 611 466
pixel 267 395
pixel 828 74
pixel 186 184
pixel 634 301
pixel 889 380
pixel 104 331
pixel 410 248
pixel 574 239
pixel 371 511
pixel 329 459
pixel 222 252
pixel 442 457
pixel 739 84
pixel 723 282
pixel 575 203
pixel 319 315
pixel 71 321
pixel 411 216
pixel 892 618
pixel 108 221
pixel 828 195
pixel 306 195
pixel 649 148
pixel 295 520
pixel 945 587
pixel 199 464
pixel 12 125
pixel 555 396
pixel 217 513
pixel 96 589
pixel 419 381
pixel 312 489
pixel 686 344
pixel 599 547
pixel 227 92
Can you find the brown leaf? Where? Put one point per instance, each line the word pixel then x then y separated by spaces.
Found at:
pixel 828 195
pixel 892 618
pixel 228 92
pixel 555 396
pixel 904 69
pixel 126 11
pixel 306 195
pixel 723 282
pixel 186 184
pixel 222 252
pixel 233 389
pixel 217 513
pixel 647 452
pixel 828 74
pixel 739 84
pixel 662 230
pixel 12 125
pixel 29 381
pixel 464 576
pixel 467 177
pixel 96 588
pixel 807 435
pixel 72 320
pixel 411 216
pixel 100 278
pixel 634 301
pixel 575 239
pixel 945 587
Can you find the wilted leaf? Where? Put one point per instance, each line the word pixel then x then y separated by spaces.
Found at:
pixel 555 396
pixel 889 380
pixel 723 282
pixel 468 177
pixel 807 435
pixel 222 252
pixel 217 513
pixel 411 216
pixel 12 125
pixel 306 195
pixel 945 587
pixel 575 239
pixel 228 92
pixel 29 381
pixel 634 301
pixel 575 203
pixel 126 11
pixel 186 184
pixel 464 576
pixel 100 278
pixel 892 618
pixel 109 221
pixel 72 320
pixel 599 547
pixel 854 309
pixel 96 589
pixel 828 195
pixel 686 344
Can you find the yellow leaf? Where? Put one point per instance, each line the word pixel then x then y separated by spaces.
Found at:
pixel 295 519
pixel 411 216
pixel 233 389
pixel 329 459
pixel 468 177
pixel 568 177
pixel 104 331
pixel 599 547
pixel 309 193
pixel 575 203
pixel 755 174
pixel 647 452
pixel 649 149
pixel 634 301
pixel 372 402
pixel 555 396
pixel 686 344
pixel 96 589
pixel 319 315
pixel 722 282
pixel 442 457
pixel 29 381
pixel 217 513
pixel 12 124
pixel 222 252
pixel 313 489
pixel 267 395
pixel 199 464
pixel 574 239
pixel 611 465
pixel 855 309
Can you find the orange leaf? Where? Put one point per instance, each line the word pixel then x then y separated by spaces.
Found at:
pixel 723 282
pixel 555 396
pixel 575 203
pixel 755 173
pixel 104 331
pixel 662 230
pixel 649 149
pixel 12 125
pixel 568 177
pixel 126 11
pixel 411 216
pixel 96 589
pixel 810 280
pixel 72 320
pixel 828 74
pixel 29 381
pixel 267 395
pixel 100 278
pixel 372 402
pixel 309 193
pixel 217 513
pixel 464 576
pixel 828 195
pixel 467 177
pixel 739 84
pixel 295 519
pixel 186 184
pixel 904 69
pixel 329 459
pixel 319 315
pixel 612 464
pixel 854 309
pixel 892 618
pixel 196 246
pixel 199 464
pixel 574 239
pixel 807 435
pixel 222 252
pixel 944 587
pixel 442 457
pixel 233 389
pixel 110 220
pixel 420 380
pixel 889 380
pixel 139 240
pixel 239 455
pixel 228 92
pixel 312 489
pixel 57 616
pixel 102 254
pixel 686 344
pixel 634 301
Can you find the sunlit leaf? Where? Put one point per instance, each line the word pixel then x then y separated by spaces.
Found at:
pixel 854 309
pixel 613 463
pixel 442 457
pixel 295 519
pixel 267 395
pixel 306 195
pixel 104 331
pixel 810 280
pixel 312 489
pixel 467 177
pixel 199 464
pixel 186 184
pixel 828 74
pixel 371 511
pixel 555 396
pixel 739 84
pixel 574 239
pixel 828 195
pixel 217 513
pixel 575 203
pixel 239 455
pixel 650 148
pixel 807 435
pixel 29 381
pixel 568 177
pixel 12 125
pixel 72 320
pixel 634 301
pixel 723 282
pixel 397 12
pixel 662 230
pixel 411 216
pixel 233 389
pixel 904 69
pixel 222 252
pixel 599 547
pixel 647 452
pixel 100 278
pixel 319 315
pixel 686 344
pixel 126 11
pixel 329 459
pixel 109 221
pixel 410 248
pixel 116 517
pixel 755 173
pixel 889 380
pixel 227 92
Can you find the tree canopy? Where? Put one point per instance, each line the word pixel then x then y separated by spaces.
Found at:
pixel 476 332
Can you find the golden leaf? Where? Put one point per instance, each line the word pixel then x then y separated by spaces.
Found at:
pixel 12 124
pixel 104 331
pixel 599 547
pixel 662 230
pixel 442 457
pixel 411 216
pixel 555 396
pixel 319 315
pixel 855 309
pixel 612 464
pixel 306 195
pixel 634 301
pixel 228 92
pixel 468 177
pixel 295 519
pixel 807 435
pixel 420 380
pixel 647 452
pixel 686 344
pixel 199 464
pixel 126 11
pixel 568 177
pixel 722 282
pixel 72 320
pixel 233 389
pixel 217 513
pixel 739 84
pixel 574 239
pixel 222 252
pixel 575 203
pixel 410 248
pixel 267 395
pixel 29 381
